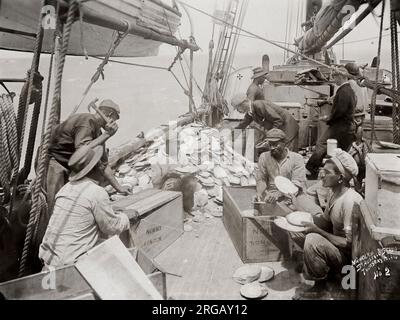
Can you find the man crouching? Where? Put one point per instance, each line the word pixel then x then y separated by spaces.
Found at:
pixel 328 240
pixel 81 212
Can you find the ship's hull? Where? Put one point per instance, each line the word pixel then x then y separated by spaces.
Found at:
pixel 149 15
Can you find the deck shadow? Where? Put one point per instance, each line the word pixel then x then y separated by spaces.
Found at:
pixel 284 281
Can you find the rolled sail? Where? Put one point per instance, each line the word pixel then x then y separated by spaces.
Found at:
pixel 328 21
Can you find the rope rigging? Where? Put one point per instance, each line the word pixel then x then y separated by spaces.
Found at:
pixel 395 76
pixel 375 91
pixel 35 215
pixel 30 93
pixel 100 69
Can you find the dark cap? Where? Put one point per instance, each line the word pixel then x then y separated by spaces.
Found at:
pixel 275 135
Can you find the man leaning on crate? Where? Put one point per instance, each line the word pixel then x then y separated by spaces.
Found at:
pixel 82 212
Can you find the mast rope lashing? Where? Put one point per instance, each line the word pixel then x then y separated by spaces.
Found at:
pixel 43 156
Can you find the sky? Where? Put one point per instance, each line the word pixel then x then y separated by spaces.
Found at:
pixel 268 18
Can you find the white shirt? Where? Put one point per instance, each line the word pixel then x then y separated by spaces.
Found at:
pixel 82 211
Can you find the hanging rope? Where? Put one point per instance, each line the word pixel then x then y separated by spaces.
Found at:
pixel 26 94
pixel 179 52
pixel 395 76
pixel 34 214
pixel 100 69
pixel 56 37
pixel 32 132
pixel 375 91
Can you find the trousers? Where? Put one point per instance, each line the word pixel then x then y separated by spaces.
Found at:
pixel 321 257
pixel 344 134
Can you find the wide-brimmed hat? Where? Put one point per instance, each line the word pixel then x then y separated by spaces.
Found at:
pixel 111 105
pixel 353 69
pixel 275 135
pixel 83 161
pixel 258 72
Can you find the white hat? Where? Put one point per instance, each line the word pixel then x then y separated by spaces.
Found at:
pixel 345 163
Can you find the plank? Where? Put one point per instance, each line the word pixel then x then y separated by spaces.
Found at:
pixel 113 273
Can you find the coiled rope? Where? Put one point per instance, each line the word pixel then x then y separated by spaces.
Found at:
pixel 8 141
pixel 34 214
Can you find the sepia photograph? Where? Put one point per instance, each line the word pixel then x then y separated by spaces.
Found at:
pixel 208 151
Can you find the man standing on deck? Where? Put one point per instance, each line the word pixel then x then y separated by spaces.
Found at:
pixel 279 161
pixel 268 116
pixel 78 130
pixel 255 91
pixel 361 93
pixel 340 122
pixel 82 212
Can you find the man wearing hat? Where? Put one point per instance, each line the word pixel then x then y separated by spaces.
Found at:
pixel 361 93
pixel 268 116
pixel 340 122
pixel 255 91
pixel 279 161
pixel 78 130
pixel 82 212
pixel 327 241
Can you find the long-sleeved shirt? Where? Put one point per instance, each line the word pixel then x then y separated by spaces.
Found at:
pixel 254 92
pixel 82 212
pixel 264 114
pixel 268 115
pixel 362 97
pixel 76 131
pixel 344 104
pixel 291 167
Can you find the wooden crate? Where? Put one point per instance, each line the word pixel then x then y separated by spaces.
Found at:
pixel 365 241
pixel 70 285
pixel 256 239
pixel 161 220
pixel 382 190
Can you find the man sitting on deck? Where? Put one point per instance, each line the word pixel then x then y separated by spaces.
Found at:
pixel 82 212
pixel 268 116
pixel 279 161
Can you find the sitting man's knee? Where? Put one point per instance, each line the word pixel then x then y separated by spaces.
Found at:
pixel 312 241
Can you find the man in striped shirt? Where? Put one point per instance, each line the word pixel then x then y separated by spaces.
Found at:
pixel 82 212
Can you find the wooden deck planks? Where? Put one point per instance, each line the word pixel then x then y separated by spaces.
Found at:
pixel 207 262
